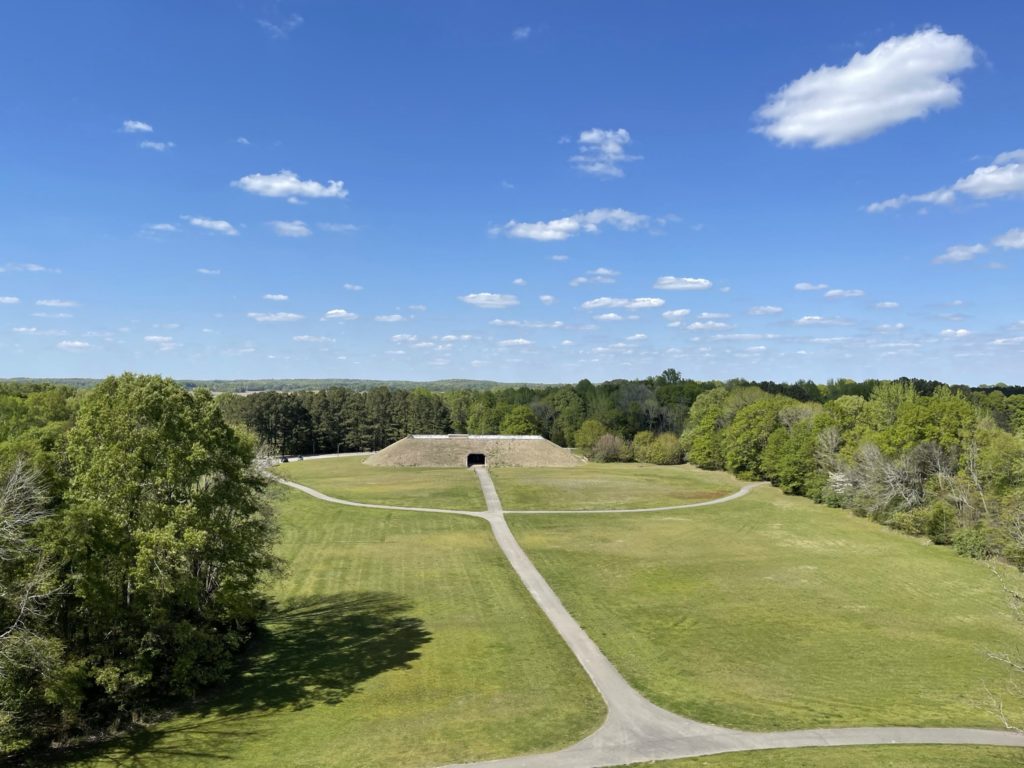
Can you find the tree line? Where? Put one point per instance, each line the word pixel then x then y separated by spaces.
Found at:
pixel 919 456
pixel 134 547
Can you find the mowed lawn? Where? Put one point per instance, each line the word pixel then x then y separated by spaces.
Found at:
pixel 346 477
pixel 772 612
pixel 401 639
pixel 608 486
pixel 869 757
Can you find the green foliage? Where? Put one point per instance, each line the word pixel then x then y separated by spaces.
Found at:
pixel 663 449
pixel 518 421
pixel 973 542
pixel 165 540
pixel 588 434
pixel 746 437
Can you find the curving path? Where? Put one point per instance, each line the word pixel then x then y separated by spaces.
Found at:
pixel 635 730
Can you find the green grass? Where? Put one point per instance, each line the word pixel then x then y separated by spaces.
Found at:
pixel 401 639
pixel 348 478
pixel 868 757
pixel 608 486
pixel 772 612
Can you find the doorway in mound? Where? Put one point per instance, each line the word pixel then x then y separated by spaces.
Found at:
pixel 475 460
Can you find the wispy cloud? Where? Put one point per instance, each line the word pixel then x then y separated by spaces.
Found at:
pixel 157 146
pixel 329 227
pixel 213 225
pixel 601 152
pixel 162 228
pixel 340 314
pixel 810 287
pixel 1012 240
pixel 287 184
pixel 957 254
pixel 352 287
pixel 56 303
pixel 515 343
pixel 599 275
pixel 819 320
pixel 313 339
pixel 605 302
pixel 73 346
pixel 766 309
pixel 1004 177
pixel 672 283
pixel 281 29
pixel 275 296
pixel 901 79
pixel 389 318
pixel 208 271
pixel 136 126
pixel 486 300
pixel 26 267
pixel 274 317
pixel 521 33
pixel 570 226
pixel 843 293
pixel 294 228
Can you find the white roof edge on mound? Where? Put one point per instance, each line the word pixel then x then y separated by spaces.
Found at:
pixel 477 437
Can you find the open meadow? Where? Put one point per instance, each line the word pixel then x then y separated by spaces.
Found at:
pixel 347 477
pixel 608 486
pixel 890 756
pixel 771 612
pixel 398 639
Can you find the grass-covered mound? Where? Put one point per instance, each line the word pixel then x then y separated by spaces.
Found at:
pixel 772 612
pixel 401 639
pixel 608 486
pixel 347 477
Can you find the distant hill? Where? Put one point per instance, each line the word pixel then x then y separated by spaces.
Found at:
pixel 299 385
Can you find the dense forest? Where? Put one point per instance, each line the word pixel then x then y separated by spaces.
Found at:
pixel 919 456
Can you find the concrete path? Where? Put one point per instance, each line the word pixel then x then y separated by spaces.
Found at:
pixel 636 730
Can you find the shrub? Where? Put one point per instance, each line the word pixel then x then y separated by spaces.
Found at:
pixel 972 542
pixel 588 434
pixel 610 448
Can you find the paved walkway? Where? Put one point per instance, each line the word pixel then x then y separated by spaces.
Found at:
pixel 636 730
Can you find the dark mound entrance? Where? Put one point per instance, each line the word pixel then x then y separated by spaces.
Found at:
pixel 475 460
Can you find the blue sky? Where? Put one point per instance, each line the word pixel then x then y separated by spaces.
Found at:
pixel 521 192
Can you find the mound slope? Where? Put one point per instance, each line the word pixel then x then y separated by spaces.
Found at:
pixel 467 450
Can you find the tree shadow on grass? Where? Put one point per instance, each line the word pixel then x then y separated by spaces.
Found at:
pixel 312 651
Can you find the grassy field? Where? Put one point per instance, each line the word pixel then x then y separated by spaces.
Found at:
pixel 868 757
pixel 401 639
pixel 609 486
pixel 772 612
pixel 348 478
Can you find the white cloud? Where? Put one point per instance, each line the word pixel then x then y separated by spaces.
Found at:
pixel 526 323
pixel 389 318
pixel 955 333
pixel 281 29
pixel 9 300
pixel 214 225
pixel 515 343
pixel 610 316
pixel 329 227
pixel 569 226
pixel 26 267
pixel 675 314
pixel 766 309
pixel 521 33
pixel 56 303
pixel 670 283
pixel 207 271
pixel 843 293
pixel 290 228
pixel 162 228
pixel 743 336
pixel 313 339
pixel 340 314
pixel 1009 342
pixel 887 305
pixel 707 325
pixel 637 337
pixel 158 339
pixel 157 146
pixel 1004 177
pixel 546 298
pixel 956 254
pixel 243 141
pixel 713 315
pixel 136 126
pixel 902 79
pixel 559 257
pixel 352 287
pixel 288 184
pixel 274 317
pixel 639 303
pixel 810 287
pixel 819 320
pixel 599 275
pixel 73 345
pixel 487 300
pixel 275 296
pixel 519 281
pixel 1014 239
pixel 602 151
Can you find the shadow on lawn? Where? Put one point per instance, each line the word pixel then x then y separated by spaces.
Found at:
pixel 314 651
